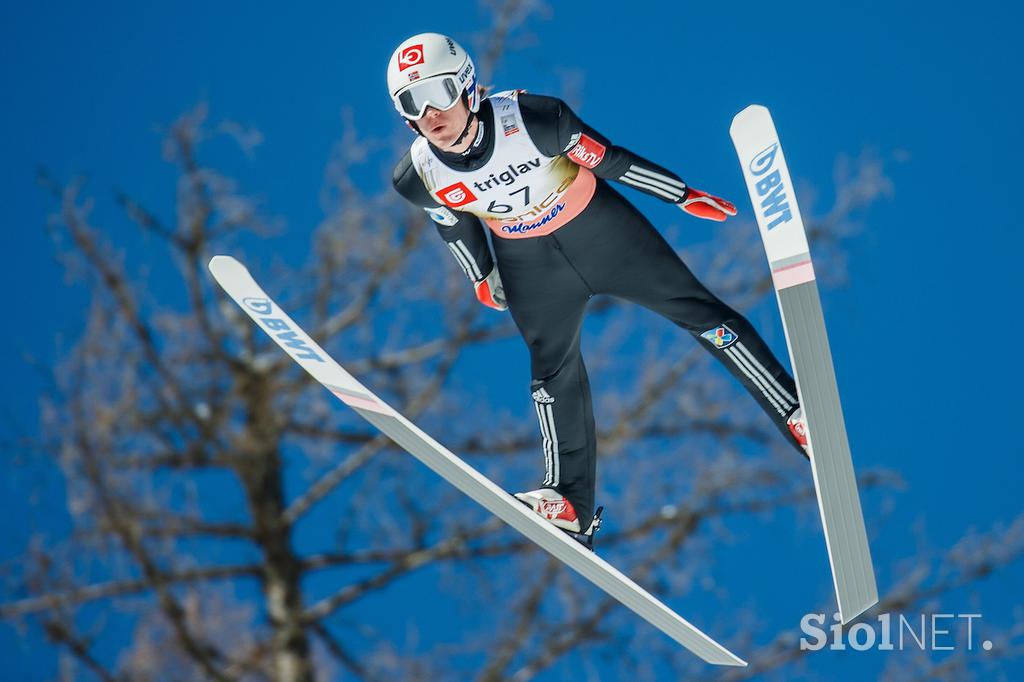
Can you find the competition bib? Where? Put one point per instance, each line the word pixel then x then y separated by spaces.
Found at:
pixel 519 192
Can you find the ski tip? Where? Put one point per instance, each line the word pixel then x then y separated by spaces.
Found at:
pixel 750 112
pixel 220 261
pixel 224 264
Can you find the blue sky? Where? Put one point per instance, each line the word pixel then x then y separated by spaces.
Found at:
pixel 920 336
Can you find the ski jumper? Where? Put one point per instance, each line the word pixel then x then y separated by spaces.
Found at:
pixel 536 175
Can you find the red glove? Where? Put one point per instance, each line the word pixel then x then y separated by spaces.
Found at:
pixel 490 292
pixel 703 205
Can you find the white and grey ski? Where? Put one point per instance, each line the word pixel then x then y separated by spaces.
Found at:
pixel 785 243
pixel 239 284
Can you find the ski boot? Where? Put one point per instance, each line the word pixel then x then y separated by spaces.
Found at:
pixel 554 507
pixel 798 427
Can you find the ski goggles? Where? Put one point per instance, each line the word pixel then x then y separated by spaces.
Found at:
pixel 442 93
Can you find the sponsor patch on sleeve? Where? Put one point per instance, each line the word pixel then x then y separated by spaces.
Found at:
pixel 442 215
pixel 588 152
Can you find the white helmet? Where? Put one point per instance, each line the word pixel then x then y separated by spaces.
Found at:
pixel 431 69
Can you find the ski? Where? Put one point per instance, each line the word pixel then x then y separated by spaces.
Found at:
pixel 785 242
pixel 235 279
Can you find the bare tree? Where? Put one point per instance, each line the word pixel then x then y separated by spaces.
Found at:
pixel 194 453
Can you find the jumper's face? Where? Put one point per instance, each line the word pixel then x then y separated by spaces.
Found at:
pixel 442 128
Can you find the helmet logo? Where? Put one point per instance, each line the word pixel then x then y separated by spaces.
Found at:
pixel 410 56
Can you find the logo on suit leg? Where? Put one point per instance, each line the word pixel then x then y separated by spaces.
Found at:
pixel 542 396
pixel 721 336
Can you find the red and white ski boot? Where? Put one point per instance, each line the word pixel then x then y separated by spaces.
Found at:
pixel 798 427
pixel 556 508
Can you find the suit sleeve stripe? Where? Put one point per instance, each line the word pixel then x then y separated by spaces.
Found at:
pixel 458 257
pixel 654 175
pixel 477 275
pixel 650 188
pixel 648 181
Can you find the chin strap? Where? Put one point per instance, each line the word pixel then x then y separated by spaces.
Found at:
pixel 465 131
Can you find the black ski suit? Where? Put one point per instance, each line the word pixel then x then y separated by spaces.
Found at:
pixel 568 248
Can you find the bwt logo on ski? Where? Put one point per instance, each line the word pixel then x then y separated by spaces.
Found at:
pixel 770 187
pixel 280 329
pixel 260 306
pixel 455 195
